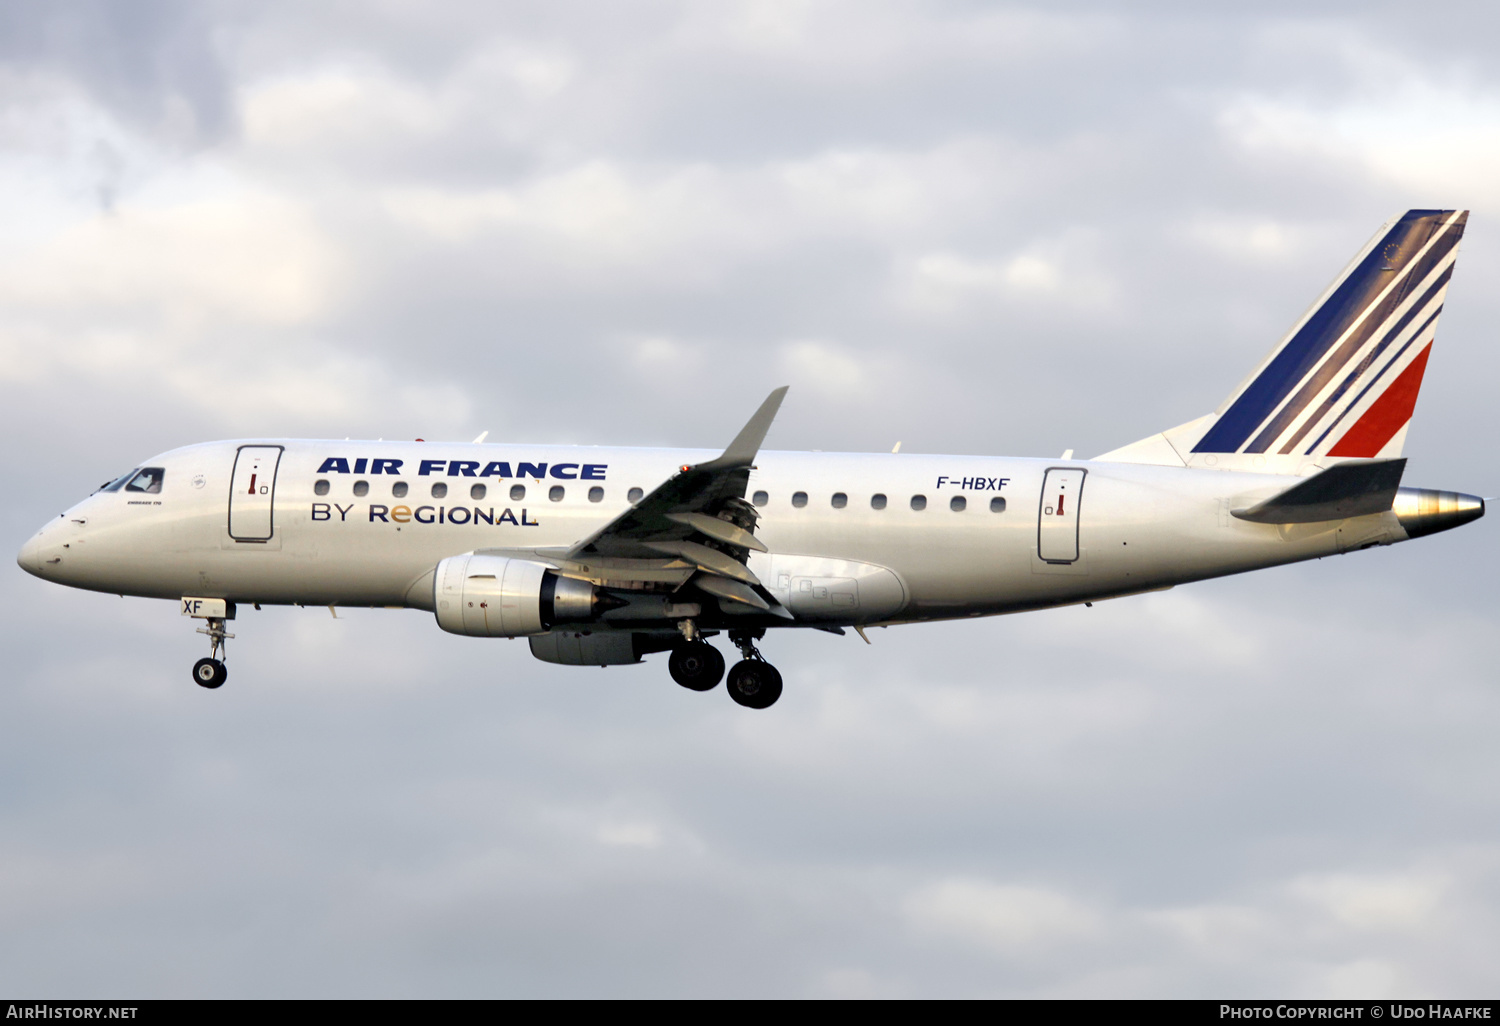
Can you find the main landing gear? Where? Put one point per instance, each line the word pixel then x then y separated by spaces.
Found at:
pixel 211 672
pixel 753 682
pixel 697 665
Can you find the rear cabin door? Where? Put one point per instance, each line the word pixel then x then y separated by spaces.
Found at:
pixel 252 493
pixel 1057 522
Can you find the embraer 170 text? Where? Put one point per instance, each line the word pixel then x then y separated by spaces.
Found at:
pixel 601 555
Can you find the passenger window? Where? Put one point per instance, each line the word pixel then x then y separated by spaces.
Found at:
pixel 320 488
pixel 877 501
pixel 634 495
pixel 596 494
pixel 147 479
pixel 799 499
pixel 361 488
pixel 997 504
pixel 517 493
pixel 958 504
pixel 919 502
pixel 399 489
pixel 439 490
pixel 760 498
pixel 479 491
pixel 840 500
pixel 119 482
pixel 556 493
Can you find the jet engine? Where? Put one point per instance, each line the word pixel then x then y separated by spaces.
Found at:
pixel 499 597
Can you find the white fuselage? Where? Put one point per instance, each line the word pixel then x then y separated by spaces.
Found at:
pixel 1136 527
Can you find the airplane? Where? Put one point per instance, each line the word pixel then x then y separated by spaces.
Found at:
pixel 603 555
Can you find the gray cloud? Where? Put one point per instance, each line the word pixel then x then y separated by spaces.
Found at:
pixel 153 62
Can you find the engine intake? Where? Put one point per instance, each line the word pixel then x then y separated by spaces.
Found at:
pixel 500 597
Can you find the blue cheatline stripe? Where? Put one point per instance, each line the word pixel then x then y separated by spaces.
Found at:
pixel 1414 310
pixel 1373 381
pixel 1376 318
pixel 1304 350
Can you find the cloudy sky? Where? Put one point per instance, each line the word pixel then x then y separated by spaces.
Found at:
pixel 971 227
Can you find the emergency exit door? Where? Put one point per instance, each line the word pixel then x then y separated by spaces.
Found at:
pixel 252 492
pixel 1057 522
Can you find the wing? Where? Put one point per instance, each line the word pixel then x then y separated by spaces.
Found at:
pixel 698 503
pixel 695 528
pixel 691 536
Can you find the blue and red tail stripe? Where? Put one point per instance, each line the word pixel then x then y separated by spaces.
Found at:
pixel 1398 280
pixel 1387 415
pixel 1374 381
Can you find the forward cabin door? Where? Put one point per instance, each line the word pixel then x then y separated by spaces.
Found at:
pixel 1057 521
pixel 252 492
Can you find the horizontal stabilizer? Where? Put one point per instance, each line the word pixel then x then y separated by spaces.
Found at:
pixel 1344 490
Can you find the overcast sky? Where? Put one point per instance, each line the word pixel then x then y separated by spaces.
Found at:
pixel 971 227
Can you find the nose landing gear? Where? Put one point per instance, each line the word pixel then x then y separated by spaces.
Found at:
pixel 211 672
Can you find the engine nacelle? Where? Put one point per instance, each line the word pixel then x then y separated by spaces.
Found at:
pixel 499 597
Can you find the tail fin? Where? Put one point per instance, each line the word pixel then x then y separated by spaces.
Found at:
pixel 1344 381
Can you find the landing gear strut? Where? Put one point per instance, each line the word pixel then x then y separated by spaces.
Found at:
pixel 211 672
pixel 753 682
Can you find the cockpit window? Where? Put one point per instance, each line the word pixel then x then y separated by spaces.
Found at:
pixel 147 479
pixel 118 483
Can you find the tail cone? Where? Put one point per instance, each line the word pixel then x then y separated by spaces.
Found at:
pixel 1428 511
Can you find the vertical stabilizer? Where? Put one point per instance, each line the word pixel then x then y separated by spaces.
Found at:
pixel 1344 381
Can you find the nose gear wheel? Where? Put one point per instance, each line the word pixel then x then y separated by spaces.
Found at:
pixel 211 672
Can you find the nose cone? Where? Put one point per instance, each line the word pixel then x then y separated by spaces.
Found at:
pixel 42 555
pixel 30 557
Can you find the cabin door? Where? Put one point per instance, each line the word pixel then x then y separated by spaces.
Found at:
pixel 1057 519
pixel 252 492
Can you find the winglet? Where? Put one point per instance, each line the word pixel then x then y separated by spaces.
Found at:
pixel 741 451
